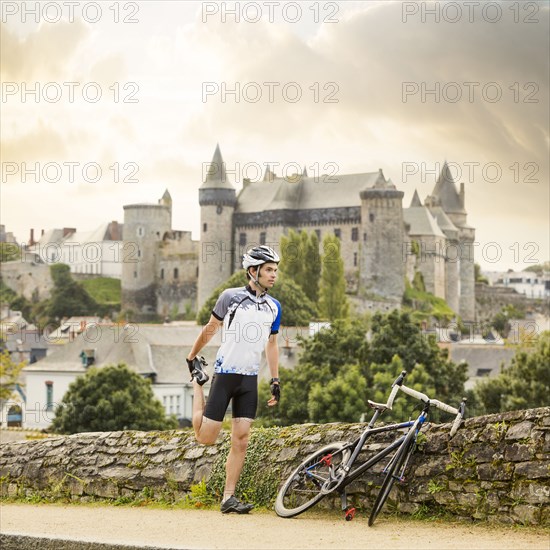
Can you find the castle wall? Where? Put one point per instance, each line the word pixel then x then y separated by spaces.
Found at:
pixel 144 228
pixel 382 268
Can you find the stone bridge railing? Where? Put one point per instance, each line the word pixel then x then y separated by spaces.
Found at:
pixel 496 468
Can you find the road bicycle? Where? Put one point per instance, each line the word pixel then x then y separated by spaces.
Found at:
pixel 333 467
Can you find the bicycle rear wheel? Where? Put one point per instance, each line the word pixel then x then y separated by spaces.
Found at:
pixel 400 458
pixel 303 488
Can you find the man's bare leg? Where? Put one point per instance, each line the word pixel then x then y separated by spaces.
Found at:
pixel 206 430
pixel 240 434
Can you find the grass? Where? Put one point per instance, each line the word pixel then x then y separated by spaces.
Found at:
pixel 104 290
pixel 424 305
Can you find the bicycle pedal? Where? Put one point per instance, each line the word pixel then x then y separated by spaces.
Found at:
pixel 350 514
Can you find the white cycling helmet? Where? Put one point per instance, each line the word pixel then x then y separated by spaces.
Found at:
pixel 260 255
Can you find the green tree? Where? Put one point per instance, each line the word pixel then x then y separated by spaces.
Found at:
pixel 301 261
pixel 9 374
pixel 478 277
pixel 340 356
pixel 333 303
pixel 342 399
pixel 297 309
pixel 524 384
pixel 109 399
pixel 68 297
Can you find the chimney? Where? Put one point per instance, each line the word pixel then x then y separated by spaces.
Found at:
pixel 462 194
pixel 68 231
pixel 114 231
pixel 42 233
pixel 31 240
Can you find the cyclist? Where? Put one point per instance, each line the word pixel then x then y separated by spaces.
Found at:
pixel 251 320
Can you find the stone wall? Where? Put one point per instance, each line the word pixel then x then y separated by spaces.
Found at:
pixel 496 468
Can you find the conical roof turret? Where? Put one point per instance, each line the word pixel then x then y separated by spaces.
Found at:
pixel 445 191
pixel 415 200
pixel 216 176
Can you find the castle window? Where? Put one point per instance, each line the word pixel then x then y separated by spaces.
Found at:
pixel 175 272
pixel 364 237
pixel 354 233
pixel 204 227
pixel 135 274
pixel 219 209
pixel 162 273
pixel 262 237
pixel 371 217
pixel 338 232
pixel 140 232
pixel 242 239
pixel 355 259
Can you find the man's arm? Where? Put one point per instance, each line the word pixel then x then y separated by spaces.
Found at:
pixel 272 356
pixel 205 336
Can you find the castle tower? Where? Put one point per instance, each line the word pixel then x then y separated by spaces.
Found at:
pixel 452 203
pixel 143 230
pixel 217 199
pixel 382 267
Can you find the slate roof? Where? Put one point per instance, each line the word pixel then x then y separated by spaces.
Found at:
pixel 216 177
pixel 421 222
pixel 445 190
pixel 306 193
pixel 146 349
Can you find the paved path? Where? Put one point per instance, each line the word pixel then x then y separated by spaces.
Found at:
pixel 198 529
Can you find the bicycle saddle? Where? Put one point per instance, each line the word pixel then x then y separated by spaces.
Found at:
pixel 380 406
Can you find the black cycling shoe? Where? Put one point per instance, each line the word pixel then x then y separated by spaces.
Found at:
pixel 235 506
pixel 196 368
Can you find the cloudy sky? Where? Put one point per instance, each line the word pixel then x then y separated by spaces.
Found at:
pixel 113 106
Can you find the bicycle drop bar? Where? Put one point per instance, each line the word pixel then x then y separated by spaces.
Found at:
pixel 398 385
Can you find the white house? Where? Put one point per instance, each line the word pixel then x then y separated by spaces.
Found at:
pixel 97 252
pixel 527 283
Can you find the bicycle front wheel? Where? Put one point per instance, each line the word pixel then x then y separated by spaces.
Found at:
pixel 303 488
pixel 400 458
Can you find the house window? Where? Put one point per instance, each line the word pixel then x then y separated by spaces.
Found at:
pixel 178 410
pixel 338 233
pixel 176 273
pixel 49 395
pixel 483 372
pixel 354 233
pixel 242 239
pixel 205 227
pixel 262 237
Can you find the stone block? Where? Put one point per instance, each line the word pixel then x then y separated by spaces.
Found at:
pixel 518 452
pixel 519 431
pixel 531 492
pixel 526 514
pixel 194 452
pixel 533 470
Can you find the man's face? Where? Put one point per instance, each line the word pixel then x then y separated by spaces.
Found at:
pixel 268 274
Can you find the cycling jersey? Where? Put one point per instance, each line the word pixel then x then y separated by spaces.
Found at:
pixel 248 321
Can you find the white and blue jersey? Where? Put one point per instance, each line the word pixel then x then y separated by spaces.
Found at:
pixel 248 322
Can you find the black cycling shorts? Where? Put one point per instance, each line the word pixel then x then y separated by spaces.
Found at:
pixel 241 388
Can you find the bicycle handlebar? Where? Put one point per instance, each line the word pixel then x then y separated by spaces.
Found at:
pixel 398 385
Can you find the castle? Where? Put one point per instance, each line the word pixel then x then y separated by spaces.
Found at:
pixel 382 243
